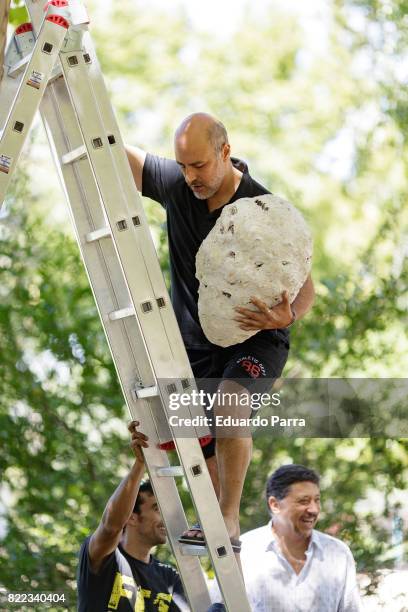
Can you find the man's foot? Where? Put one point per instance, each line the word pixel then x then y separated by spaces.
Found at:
pixel 232 525
pixel 194 536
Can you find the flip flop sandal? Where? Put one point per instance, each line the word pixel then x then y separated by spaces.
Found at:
pixel 198 540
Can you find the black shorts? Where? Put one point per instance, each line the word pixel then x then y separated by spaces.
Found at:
pixel 255 364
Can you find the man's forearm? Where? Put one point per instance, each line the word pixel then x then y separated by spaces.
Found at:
pixel 136 159
pixel 120 505
pixel 304 299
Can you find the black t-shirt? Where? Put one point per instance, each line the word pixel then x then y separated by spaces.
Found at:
pixel 188 223
pixel 126 584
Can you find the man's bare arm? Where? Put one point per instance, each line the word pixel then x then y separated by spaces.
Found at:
pixel 136 159
pixel 304 299
pixel 119 507
pixel 279 316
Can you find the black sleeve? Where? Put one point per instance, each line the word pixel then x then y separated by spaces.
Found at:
pixel 87 580
pixel 179 598
pixel 178 587
pixel 160 177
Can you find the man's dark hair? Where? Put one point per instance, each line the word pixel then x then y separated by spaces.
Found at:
pixel 145 487
pixel 279 483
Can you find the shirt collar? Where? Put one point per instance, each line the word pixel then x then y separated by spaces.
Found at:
pixel 271 542
pixel 240 165
pixel 316 540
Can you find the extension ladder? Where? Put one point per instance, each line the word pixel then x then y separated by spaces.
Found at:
pixel 51 66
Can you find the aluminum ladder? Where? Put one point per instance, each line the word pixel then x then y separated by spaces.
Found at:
pixel 51 66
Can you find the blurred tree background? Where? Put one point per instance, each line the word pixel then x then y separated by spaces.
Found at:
pixel 317 105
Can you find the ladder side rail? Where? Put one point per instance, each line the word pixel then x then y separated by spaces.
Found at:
pixel 131 194
pixel 124 231
pixel 107 280
pixel 27 101
pixel 200 491
pixel 100 270
pixel 16 58
pixel 35 11
pixel 228 575
pixel 9 84
pixel 209 514
pixel 82 96
pixel 128 241
pixel 168 359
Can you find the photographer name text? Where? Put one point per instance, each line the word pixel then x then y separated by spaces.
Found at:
pixel 228 421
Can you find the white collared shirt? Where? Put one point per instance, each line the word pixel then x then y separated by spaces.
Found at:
pixel 326 583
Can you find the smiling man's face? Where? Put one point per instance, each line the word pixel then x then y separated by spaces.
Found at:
pixel 148 524
pixel 297 513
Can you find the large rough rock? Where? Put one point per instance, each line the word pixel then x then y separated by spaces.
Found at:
pixel 259 246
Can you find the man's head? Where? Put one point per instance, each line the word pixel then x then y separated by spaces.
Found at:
pixel 293 498
pixel 203 153
pixel 145 522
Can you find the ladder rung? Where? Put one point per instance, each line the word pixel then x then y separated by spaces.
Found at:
pixel 142 392
pixel 104 232
pixel 201 551
pixel 74 155
pixel 19 66
pixel 115 315
pixel 170 472
pixel 193 551
pixel 55 74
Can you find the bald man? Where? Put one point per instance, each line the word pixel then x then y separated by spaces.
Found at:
pixel 193 189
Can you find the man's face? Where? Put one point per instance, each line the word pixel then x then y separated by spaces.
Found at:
pixel 149 524
pixel 203 167
pixel 297 513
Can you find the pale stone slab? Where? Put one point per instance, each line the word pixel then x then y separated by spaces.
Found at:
pixel 259 246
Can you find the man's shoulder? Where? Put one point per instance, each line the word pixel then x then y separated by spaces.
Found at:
pixel 257 188
pixel 164 568
pixel 163 180
pixel 250 187
pixel 260 534
pixel 163 168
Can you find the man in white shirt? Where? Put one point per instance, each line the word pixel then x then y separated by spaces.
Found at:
pixel 288 566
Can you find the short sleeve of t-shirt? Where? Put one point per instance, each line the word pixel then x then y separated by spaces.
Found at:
pixel 89 583
pixel 125 583
pixel 160 177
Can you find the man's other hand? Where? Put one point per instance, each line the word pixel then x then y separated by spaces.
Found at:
pixel 138 441
pixel 277 317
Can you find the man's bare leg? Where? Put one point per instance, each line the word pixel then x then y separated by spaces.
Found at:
pixel 212 468
pixel 233 458
pixel 233 452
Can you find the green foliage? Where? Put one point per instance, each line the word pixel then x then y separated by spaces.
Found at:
pixel 57 385
pixel 63 439
pixel 18 13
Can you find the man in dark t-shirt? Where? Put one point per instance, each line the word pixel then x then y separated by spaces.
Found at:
pixel 193 189
pixel 116 570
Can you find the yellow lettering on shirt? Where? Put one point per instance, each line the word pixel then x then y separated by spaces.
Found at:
pixel 141 595
pixel 119 590
pixel 161 601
